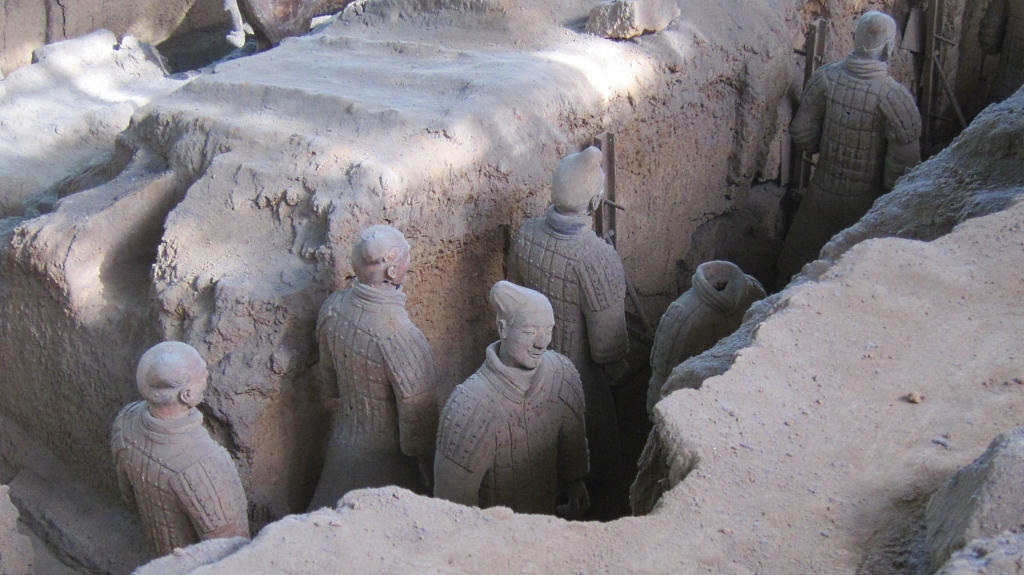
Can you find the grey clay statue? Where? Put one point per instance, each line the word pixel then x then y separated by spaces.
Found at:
pixel 560 256
pixel 1002 33
pixel 710 310
pixel 382 369
pixel 183 484
pixel 513 434
pixel 865 126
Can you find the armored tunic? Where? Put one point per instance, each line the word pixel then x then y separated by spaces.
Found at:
pixel 693 324
pixel 561 257
pixel 512 437
pixel 865 127
pixel 386 383
pixel 1002 32
pixel 184 485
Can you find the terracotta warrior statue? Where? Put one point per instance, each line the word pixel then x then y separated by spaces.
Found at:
pixel 381 368
pixel 865 127
pixel 184 484
pixel 513 434
pixel 560 256
pixel 1002 32
pixel 710 310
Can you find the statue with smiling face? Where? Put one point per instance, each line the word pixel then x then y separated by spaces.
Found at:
pixel 513 434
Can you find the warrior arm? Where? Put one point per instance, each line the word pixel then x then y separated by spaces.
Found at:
pixel 993 28
pixel 327 383
pixel 511 265
pixel 573 452
pixel 464 455
pixel 212 496
pixel 117 445
pixel 805 129
pixel 603 282
pixel 411 371
pixel 903 133
pixel 125 485
pixel 456 483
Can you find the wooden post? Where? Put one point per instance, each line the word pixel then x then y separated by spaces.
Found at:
pixel 933 12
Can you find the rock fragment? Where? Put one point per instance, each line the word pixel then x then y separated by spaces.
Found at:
pixel 981 500
pixel 186 560
pixel 1002 554
pixel 17 557
pixel 624 19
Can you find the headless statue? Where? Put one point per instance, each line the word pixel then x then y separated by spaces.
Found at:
pixel 1002 32
pixel 710 310
pixel 183 484
pixel 865 126
pixel 382 370
pixel 560 256
pixel 513 434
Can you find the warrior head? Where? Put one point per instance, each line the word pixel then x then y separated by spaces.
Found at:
pixel 875 36
pixel 381 257
pixel 578 183
pixel 172 378
pixel 525 321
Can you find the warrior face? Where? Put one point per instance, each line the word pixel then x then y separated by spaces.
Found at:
pixel 525 321
pixel 524 342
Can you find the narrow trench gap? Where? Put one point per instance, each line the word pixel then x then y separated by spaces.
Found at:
pixel 203 47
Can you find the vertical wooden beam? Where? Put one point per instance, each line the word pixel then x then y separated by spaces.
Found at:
pixel 933 14
pixel 604 218
pixel 814 52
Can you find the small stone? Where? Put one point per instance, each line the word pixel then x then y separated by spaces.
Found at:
pixel 178 551
pixel 913 397
pixel 624 19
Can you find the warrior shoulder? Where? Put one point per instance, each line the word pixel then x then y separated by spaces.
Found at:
pixel 330 308
pixel 565 384
pixel 900 111
pixel 465 424
pixel 125 425
pixel 602 276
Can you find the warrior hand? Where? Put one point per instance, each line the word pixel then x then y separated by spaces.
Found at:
pixel 427 470
pixel 617 372
pixel 579 501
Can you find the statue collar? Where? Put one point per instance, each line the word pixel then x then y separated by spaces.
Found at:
pixel 170 431
pixel 865 68
pixel 373 295
pixel 726 301
pixel 515 384
pixel 567 225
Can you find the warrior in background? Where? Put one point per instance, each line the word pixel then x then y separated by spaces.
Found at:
pixel 1002 33
pixel 382 369
pixel 710 310
pixel 866 129
pixel 560 256
pixel 183 484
